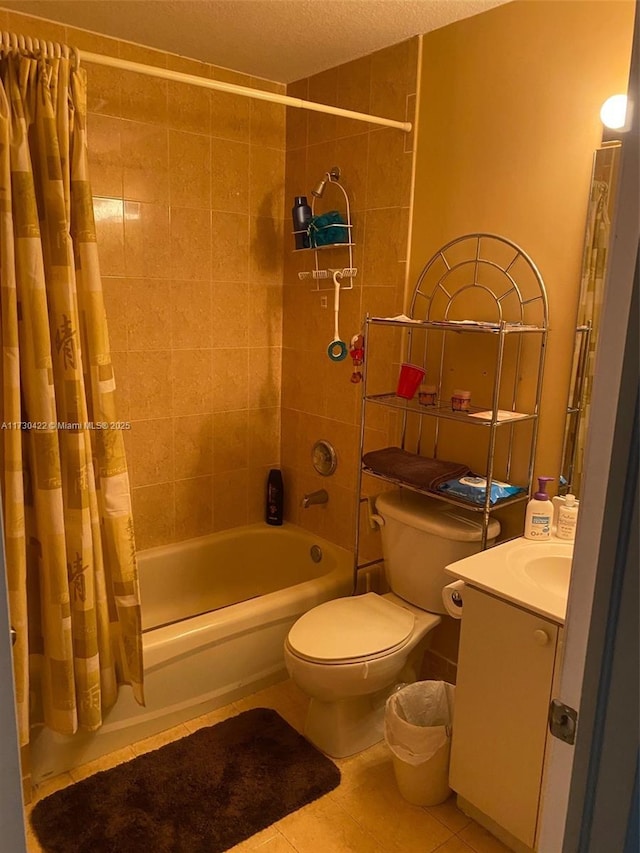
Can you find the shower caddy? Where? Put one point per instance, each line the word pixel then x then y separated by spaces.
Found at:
pixel 500 273
pixel 318 274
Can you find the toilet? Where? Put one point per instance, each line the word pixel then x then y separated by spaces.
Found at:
pixel 348 655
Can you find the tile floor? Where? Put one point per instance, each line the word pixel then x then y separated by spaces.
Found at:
pixel 365 814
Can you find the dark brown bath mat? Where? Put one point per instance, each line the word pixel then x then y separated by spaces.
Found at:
pixel 201 794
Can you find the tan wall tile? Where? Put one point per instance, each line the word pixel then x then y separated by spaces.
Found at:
pixel 189 169
pixel 229 176
pixel 323 88
pixel 230 304
pixel 145 153
pixel 143 98
pixel 389 169
pixel 147 239
pixel 194 507
pixel 151 445
pixel 229 246
pixel 115 303
pixel 230 379
pixel 191 314
pixel 120 362
pixel 266 187
pixel 149 375
pixel 265 315
pixel 109 217
pixel 35 27
pixel 189 106
pixel 190 244
pixel 265 377
pixel 231 444
pixel 105 155
pixel 391 81
pixel 193 446
pixel 149 315
pixel 230 117
pixel 153 515
pixel 267 124
pixel 192 386
pixel 103 90
pixel 297 120
pixel 265 255
pixel 230 499
pixel 264 437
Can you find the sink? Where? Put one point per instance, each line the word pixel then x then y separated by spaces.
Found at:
pixel 551 572
pixel 534 575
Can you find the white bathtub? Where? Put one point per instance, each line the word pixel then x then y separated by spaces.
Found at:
pixel 216 612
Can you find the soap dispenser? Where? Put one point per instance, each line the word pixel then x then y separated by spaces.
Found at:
pixel 537 522
pixel 567 518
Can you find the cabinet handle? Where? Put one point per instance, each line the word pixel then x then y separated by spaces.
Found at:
pixel 541 637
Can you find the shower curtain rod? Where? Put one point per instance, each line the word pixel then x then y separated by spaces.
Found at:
pixel 232 88
pixel 14 43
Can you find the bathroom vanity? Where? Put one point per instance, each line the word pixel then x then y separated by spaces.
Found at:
pixel 513 615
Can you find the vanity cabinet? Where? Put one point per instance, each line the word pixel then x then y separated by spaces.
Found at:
pixel 503 690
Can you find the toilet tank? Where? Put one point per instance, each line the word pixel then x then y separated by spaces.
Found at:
pixel 421 536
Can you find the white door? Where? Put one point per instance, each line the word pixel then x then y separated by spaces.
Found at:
pixel 590 799
pixel 11 811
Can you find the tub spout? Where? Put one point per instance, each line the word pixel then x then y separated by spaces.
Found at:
pixel 319 497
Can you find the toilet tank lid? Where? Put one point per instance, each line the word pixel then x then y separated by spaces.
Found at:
pixel 432 516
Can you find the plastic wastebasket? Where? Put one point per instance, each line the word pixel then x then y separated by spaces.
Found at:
pixel 417 723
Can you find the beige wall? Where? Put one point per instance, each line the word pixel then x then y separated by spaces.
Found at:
pixel 188 194
pixel 318 399
pixel 509 114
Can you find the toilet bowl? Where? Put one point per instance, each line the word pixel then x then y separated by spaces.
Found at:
pixel 348 655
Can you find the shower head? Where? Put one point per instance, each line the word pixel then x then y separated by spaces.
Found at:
pixel 318 190
pixel 333 175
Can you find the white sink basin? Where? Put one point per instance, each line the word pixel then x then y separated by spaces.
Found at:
pixel 534 575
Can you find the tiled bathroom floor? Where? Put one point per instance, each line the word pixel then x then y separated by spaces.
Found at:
pixel 365 814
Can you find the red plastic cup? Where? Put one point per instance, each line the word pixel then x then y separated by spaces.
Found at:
pixel 409 380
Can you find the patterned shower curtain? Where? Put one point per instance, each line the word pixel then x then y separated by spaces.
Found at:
pixel 70 552
pixel 594 268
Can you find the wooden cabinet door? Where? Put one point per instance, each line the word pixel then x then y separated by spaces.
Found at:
pixel 503 691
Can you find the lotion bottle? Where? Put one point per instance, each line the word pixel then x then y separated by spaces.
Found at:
pixel 539 516
pixel 567 518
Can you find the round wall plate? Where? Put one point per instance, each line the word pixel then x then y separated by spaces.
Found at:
pixel 324 457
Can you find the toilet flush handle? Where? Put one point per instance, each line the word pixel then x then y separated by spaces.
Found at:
pixel 375 520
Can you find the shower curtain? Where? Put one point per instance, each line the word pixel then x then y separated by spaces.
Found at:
pixel 70 552
pixel 592 292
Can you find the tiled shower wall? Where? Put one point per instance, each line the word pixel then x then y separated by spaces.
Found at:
pixel 318 398
pixel 188 188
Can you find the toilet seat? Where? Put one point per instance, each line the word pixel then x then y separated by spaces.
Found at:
pixel 350 630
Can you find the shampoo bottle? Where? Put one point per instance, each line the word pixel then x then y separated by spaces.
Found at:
pixel 275 497
pixel 301 214
pixel 567 518
pixel 537 522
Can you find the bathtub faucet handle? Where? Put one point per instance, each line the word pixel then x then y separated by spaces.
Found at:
pixel 319 497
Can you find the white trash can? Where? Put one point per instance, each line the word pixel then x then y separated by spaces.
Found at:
pixel 418 720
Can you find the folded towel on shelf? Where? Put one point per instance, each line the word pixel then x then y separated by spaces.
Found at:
pixel 421 472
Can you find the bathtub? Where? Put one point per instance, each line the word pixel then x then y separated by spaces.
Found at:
pixel 215 614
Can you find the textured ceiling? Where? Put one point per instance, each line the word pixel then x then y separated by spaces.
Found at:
pixel 281 40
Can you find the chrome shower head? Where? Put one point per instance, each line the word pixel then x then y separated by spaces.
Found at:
pixel 333 175
pixel 318 190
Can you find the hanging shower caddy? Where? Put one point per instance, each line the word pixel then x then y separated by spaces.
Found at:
pixel 324 276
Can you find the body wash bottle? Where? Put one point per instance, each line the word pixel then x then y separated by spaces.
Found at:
pixel 567 518
pixel 537 522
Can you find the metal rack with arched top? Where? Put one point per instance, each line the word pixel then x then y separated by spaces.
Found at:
pixel 488 287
